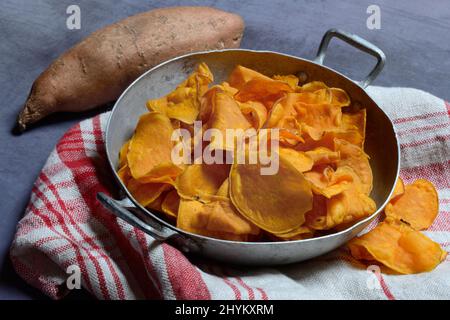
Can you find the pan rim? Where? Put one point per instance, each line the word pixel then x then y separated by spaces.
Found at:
pixel 198 237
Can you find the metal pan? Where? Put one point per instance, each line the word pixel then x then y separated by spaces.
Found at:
pixel 381 145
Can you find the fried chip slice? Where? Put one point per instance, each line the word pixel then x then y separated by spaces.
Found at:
pixel 184 102
pixel 226 114
pixel 223 190
pixel 276 203
pixel 313 86
pixel 217 219
pixel 124 174
pixel 123 154
pixel 290 79
pixel 165 172
pixel 201 181
pixel 300 160
pixel 399 189
pixel 146 193
pixel 150 145
pixel 398 247
pixel 418 205
pixel 255 112
pixel 322 155
pixel 241 75
pixel 355 158
pixel 171 203
pixel 263 91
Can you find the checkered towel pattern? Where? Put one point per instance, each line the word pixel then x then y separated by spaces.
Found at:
pixel 65 225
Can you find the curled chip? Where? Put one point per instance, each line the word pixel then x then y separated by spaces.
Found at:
pixel 276 203
pixel 399 189
pixel 201 181
pixel 123 154
pixel 218 219
pixel 398 247
pixel 146 193
pixel 418 205
pixel 184 102
pixel 171 203
pixel 241 75
pixel 150 145
pixel 226 114
pixel 264 91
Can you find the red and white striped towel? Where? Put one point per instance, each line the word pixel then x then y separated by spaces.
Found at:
pixel 64 225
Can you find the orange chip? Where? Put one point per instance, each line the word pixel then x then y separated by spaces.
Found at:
pixel 398 247
pixel 223 190
pixel 184 102
pixel 290 79
pixel 418 205
pixel 165 172
pixel 124 174
pixel 255 112
pixel 300 160
pixel 299 233
pixel 146 193
pixel 171 203
pixel 322 155
pixel 123 154
pixel 264 91
pixel 276 203
pixel 399 189
pixel 355 158
pixel 241 75
pixel 156 204
pixel 217 219
pixel 313 86
pixel 201 181
pixel 226 115
pixel 150 145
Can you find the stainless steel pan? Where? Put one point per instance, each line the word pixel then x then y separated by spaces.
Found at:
pixel 381 145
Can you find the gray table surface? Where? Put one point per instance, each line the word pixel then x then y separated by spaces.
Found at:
pixel 415 35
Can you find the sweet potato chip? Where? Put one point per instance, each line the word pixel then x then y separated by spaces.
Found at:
pixel 348 207
pixel 398 247
pixel 355 158
pixel 123 154
pixel 150 145
pixel 313 86
pixel 290 79
pixel 300 160
pixel 226 115
pixel 399 189
pixel 223 190
pixel 217 219
pixel 255 112
pixel 201 181
pixel 124 174
pixel 322 155
pixel 276 203
pixel 146 193
pixel 184 102
pixel 171 203
pixel 165 172
pixel 418 205
pixel 241 75
pixel 263 91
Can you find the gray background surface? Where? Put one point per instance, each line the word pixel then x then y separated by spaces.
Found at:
pixel 415 35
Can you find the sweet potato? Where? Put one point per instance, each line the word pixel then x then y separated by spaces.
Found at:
pixel 100 67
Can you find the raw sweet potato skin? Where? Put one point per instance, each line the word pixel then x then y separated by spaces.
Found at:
pixel 99 68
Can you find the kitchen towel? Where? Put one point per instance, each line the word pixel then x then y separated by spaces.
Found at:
pixel 66 232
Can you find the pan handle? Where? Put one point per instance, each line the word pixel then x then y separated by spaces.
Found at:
pixel 358 43
pixel 117 208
